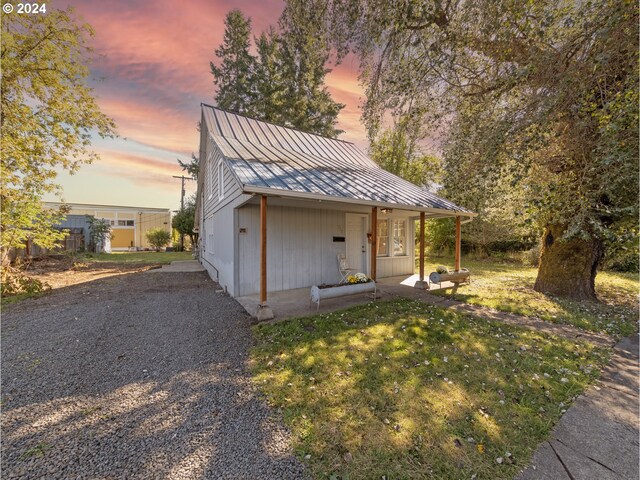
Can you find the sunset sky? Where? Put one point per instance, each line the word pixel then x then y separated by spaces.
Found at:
pixel 150 75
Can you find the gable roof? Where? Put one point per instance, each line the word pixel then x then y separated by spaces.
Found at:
pixel 268 158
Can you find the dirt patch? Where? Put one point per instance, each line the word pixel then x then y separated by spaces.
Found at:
pixel 63 271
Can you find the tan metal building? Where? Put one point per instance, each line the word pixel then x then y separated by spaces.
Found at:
pixel 128 224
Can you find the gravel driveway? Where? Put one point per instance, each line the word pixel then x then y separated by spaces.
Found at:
pixel 136 376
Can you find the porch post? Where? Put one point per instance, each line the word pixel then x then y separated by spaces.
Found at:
pixel 374 241
pixel 421 283
pixel 458 243
pixel 263 312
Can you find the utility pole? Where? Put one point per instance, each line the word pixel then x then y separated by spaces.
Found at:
pixel 183 178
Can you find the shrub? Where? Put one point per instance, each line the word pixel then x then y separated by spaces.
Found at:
pixel 16 282
pixel 158 238
pixel 531 257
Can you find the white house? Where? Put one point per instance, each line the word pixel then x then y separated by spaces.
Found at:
pixel 275 207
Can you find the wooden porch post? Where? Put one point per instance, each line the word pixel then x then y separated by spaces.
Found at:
pixel 374 241
pixel 458 243
pixel 422 246
pixel 263 250
pixel 263 312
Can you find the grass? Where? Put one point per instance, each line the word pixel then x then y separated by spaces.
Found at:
pixel 18 297
pixel 508 287
pixel 402 390
pixel 37 451
pixel 137 257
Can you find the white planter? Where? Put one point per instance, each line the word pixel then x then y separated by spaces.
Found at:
pixel 456 277
pixel 318 293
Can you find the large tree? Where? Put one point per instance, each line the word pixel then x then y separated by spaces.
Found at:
pixel 48 117
pixel 284 83
pixel 233 76
pixel 541 93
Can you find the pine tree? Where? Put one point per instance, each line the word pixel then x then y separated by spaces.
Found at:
pixel 269 101
pixel 304 55
pixel 234 75
pixel 284 84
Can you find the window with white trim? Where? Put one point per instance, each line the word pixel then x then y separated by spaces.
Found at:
pixel 220 180
pixel 399 237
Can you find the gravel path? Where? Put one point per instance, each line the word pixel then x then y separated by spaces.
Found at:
pixel 135 376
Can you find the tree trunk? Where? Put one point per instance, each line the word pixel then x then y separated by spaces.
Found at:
pixel 568 267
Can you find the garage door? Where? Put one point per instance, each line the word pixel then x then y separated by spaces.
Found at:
pixel 122 237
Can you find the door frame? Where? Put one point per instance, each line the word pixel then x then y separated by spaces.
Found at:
pixel 365 223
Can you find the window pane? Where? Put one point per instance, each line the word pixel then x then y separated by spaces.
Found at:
pixel 383 248
pixel 399 237
pixel 122 223
pixel 129 223
pixel 383 230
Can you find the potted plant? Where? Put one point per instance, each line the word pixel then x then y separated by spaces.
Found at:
pixel 357 283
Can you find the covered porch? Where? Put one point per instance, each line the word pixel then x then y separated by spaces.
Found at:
pixel 295 303
pixel 373 246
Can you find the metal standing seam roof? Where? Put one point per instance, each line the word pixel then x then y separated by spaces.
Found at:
pixel 267 156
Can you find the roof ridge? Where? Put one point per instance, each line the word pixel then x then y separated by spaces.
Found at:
pixel 277 124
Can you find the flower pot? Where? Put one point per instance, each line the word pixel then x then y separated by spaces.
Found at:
pixel 460 276
pixel 318 293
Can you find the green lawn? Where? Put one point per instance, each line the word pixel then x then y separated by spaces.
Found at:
pixel 509 287
pixel 405 390
pixel 137 257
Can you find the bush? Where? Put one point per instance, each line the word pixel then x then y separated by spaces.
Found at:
pixel 531 257
pixel 158 238
pixel 16 282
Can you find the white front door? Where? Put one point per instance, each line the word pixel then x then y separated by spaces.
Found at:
pixel 357 242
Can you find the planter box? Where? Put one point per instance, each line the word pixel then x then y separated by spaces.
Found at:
pixel 454 277
pixel 318 293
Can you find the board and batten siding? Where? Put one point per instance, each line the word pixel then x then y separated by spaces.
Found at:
pixel 300 247
pixel 217 232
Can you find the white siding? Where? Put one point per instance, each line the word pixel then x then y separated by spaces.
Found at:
pixel 217 240
pixel 300 247
pixel 404 265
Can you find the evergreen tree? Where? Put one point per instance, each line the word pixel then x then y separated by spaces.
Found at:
pixel 284 84
pixel 269 101
pixel 304 55
pixel 234 75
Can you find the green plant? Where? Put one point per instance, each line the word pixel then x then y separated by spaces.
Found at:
pixel 16 282
pixel 158 237
pixel 99 232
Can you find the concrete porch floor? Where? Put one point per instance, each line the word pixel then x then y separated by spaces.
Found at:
pixel 296 303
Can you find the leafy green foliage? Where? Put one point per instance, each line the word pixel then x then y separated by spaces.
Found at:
pixel 405 390
pixel 395 151
pixel 536 103
pixel 233 76
pixel 284 84
pixel 16 282
pixel 190 167
pixel 158 237
pixel 99 232
pixel 183 221
pixel 48 116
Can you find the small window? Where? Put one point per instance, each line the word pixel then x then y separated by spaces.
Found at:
pixel 130 223
pixel 220 181
pixel 383 238
pixel 399 237
pixel 122 223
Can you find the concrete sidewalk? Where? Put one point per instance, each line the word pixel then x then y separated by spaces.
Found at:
pixel 598 436
pixel 179 266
